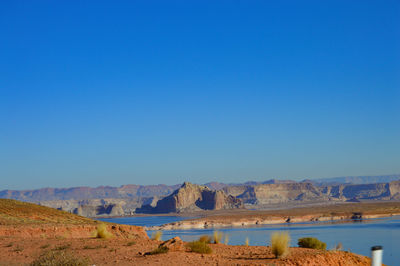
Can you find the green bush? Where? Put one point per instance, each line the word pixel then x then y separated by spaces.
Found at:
pixel 200 247
pixel 311 242
pixel 56 258
pixel 280 244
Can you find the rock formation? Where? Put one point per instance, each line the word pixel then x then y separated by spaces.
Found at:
pixel 280 193
pixel 190 197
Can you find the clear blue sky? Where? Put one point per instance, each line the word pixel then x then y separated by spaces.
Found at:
pixel 147 92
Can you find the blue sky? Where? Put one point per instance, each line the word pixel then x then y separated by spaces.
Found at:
pixel 148 92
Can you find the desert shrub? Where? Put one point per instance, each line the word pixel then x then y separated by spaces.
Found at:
pixel 63 247
pixel 338 247
pixel 226 240
pixel 92 247
pixel 217 236
pixel 157 235
pixel 200 247
pixel 311 242
pixel 159 250
pixel 56 258
pixel 280 244
pixel 131 243
pixel 246 242
pixel 102 232
pixel 205 239
pixel 45 246
pixel 18 249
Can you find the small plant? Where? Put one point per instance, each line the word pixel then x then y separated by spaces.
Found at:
pixel 94 247
pixel 63 247
pixel 205 239
pixel 311 242
pixel 217 237
pixel 53 258
pixel 102 232
pixel 113 250
pixel 246 242
pixel 157 235
pixel 45 246
pixel 280 244
pixel 226 240
pixel 200 247
pixel 130 243
pixel 159 250
pixel 338 247
pixel 9 245
pixel 18 249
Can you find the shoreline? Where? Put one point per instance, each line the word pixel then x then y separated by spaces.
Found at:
pixel 353 212
pixel 188 225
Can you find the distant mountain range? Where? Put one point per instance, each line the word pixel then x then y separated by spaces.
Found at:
pixel 130 199
pixel 139 191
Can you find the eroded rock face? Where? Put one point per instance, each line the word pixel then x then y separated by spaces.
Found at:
pixel 279 193
pixel 101 210
pixel 190 197
pixel 362 191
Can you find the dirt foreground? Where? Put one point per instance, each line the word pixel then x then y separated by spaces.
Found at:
pixel 131 249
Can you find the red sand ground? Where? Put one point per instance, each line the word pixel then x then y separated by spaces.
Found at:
pixel 129 247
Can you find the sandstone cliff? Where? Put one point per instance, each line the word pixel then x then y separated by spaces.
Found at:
pixel 280 193
pixel 190 197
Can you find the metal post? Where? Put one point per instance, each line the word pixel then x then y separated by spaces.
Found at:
pixel 376 255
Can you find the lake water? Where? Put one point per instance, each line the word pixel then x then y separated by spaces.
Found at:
pixel 357 237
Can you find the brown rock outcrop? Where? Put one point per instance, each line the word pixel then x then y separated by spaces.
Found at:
pixel 174 244
pixel 190 197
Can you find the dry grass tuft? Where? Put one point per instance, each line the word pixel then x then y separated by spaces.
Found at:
pixel 280 244
pixel 226 240
pixel 159 250
pixel 247 242
pixel 102 232
pixel 63 247
pixel 205 239
pixel 338 247
pixel 200 247
pixel 157 235
pixel 131 243
pixel 55 258
pixel 217 236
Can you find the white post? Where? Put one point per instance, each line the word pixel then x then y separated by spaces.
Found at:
pixel 376 255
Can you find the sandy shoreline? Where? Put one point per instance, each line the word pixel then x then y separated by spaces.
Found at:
pixel 349 212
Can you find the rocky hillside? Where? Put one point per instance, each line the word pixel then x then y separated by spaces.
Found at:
pixel 190 197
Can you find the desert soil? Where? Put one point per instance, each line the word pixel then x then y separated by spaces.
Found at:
pixel 124 251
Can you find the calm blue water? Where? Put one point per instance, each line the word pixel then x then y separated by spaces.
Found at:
pixel 357 237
